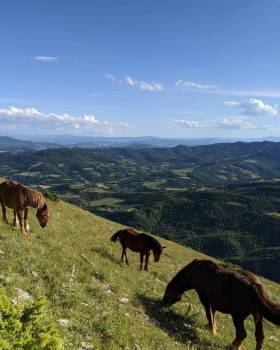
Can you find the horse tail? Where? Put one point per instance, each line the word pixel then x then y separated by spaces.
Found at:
pixel 270 310
pixel 115 236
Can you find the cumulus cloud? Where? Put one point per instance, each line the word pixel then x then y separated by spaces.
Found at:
pixel 46 58
pixel 254 107
pixel 141 84
pixel 194 85
pixel 31 118
pixel 187 123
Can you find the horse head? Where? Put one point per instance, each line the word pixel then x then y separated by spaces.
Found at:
pixel 157 253
pixel 185 280
pixel 43 215
pixel 171 296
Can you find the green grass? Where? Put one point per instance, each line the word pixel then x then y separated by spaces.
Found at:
pixel 73 264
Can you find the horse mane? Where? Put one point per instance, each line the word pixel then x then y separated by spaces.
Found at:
pixel 132 231
pixel 32 198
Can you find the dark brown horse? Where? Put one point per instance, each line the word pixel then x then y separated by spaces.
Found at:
pixel 238 293
pixel 18 197
pixel 138 242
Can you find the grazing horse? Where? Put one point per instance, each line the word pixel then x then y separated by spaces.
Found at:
pixel 18 197
pixel 238 293
pixel 138 242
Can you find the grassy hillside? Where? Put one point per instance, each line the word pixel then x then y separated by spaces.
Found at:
pixel 98 303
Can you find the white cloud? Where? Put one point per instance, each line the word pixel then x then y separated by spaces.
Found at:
pixel 141 84
pixel 254 107
pixel 31 118
pixel 129 81
pixel 187 123
pixel 46 58
pixel 240 123
pixel 233 123
pixel 194 85
pixel 111 77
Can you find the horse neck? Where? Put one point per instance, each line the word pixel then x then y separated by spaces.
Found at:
pixel 156 247
pixel 181 282
pixel 34 199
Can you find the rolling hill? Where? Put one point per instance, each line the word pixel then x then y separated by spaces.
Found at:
pixel 131 169
pixel 99 304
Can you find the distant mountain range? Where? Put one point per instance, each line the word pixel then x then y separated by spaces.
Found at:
pixel 8 143
pixel 51 141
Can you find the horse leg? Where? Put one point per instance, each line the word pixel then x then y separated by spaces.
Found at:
pixel 124 254
pixel 4 211
pixel 211 319
pixel 146 261
pixel 122 257
pixel 259 335
pixel 141 260
pixel 15 222
pixel 21 221
pixel 240 330
pixel 214 321
pixel 26 225
pixel 126 260
pixel 208 311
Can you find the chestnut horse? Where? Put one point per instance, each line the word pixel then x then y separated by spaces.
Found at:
pixel 138 242
pixel 18 197
pixel 238 293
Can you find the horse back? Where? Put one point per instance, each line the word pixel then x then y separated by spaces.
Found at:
pixel 134 240
pixel 230 290
pixel 10 195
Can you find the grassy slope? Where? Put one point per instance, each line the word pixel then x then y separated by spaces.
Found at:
pixel 87 293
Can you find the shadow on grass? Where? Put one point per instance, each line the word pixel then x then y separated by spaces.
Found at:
pixel 105 254
pixel 181 328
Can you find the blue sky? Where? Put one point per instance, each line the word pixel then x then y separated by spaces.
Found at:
pixel 180 68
